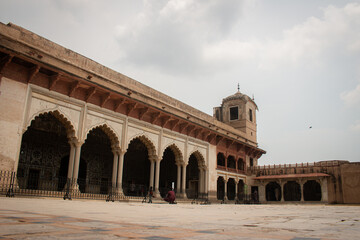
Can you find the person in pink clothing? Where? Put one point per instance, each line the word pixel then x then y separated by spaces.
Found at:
pixel 170 197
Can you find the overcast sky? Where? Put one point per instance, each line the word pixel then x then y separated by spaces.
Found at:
pixel 300 59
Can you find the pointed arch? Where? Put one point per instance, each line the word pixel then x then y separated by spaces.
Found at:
pixel 199 157
pixel 147 142
pixel 44 151
pixel 109 131
pixel 65 120
pixel 179 159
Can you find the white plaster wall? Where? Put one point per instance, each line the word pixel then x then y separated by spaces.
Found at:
pixel 40 104
pixel 138 130
pixel 169 140
pixel 12 105
pixel 212 170
pixel 95 119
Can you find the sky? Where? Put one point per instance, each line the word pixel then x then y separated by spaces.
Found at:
pixel 299 59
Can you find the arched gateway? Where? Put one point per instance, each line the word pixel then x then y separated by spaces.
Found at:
pixel 44 153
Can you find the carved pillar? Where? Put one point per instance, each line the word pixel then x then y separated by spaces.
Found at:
pixel 115 169
pixel 120 172
pixel 152 171
pixel 76 164
pixel 157 175
pixel 178 181
pixel 71 160
pixel 282 191
pixel 301 182
pixel 183 185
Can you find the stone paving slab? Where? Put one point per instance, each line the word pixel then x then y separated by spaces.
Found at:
pixel 30 218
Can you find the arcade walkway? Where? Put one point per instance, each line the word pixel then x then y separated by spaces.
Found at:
pixel 24 218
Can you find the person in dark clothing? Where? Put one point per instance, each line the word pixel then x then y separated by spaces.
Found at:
pixel 170 197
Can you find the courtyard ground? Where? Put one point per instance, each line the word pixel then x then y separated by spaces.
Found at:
pixel 33 218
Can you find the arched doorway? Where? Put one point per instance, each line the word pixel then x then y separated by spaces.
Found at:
pixel 273 191
pixel 231 189
pixel 192 177
pixel 220 188
pixel 168 172
pixel 136 170
pixel 292 191
pixel 96 163
pixel 44 148
pixel 312 191
pixel 220 159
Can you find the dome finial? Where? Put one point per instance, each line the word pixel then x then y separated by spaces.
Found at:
pixel 238 87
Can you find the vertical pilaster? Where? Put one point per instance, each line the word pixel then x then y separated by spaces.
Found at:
pixel 206 186
pixel 324 190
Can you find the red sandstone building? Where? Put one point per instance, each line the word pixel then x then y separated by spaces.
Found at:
pixel 72 127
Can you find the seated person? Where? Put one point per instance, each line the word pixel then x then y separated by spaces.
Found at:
pixel 170 197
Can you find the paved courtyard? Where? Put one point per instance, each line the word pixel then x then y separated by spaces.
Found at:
pixel 30 218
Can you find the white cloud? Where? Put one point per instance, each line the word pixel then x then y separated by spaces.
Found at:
pixel 355 127
pixel 302 43
pixel 169 35
pixel 352 98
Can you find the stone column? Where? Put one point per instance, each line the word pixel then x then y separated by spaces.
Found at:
pixel 183 190
pixel 178 181
pixel 157 175
pixel 71 160
pixel 119 189
pixel 282 191
pixel 152 170
pixel 114 172
pixel 324 190
pixel 301 182
pixel 76 165
pixel 225 189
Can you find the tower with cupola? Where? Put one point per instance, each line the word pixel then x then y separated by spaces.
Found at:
pixel 239 111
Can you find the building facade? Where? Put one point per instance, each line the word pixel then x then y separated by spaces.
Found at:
pixel 68 123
